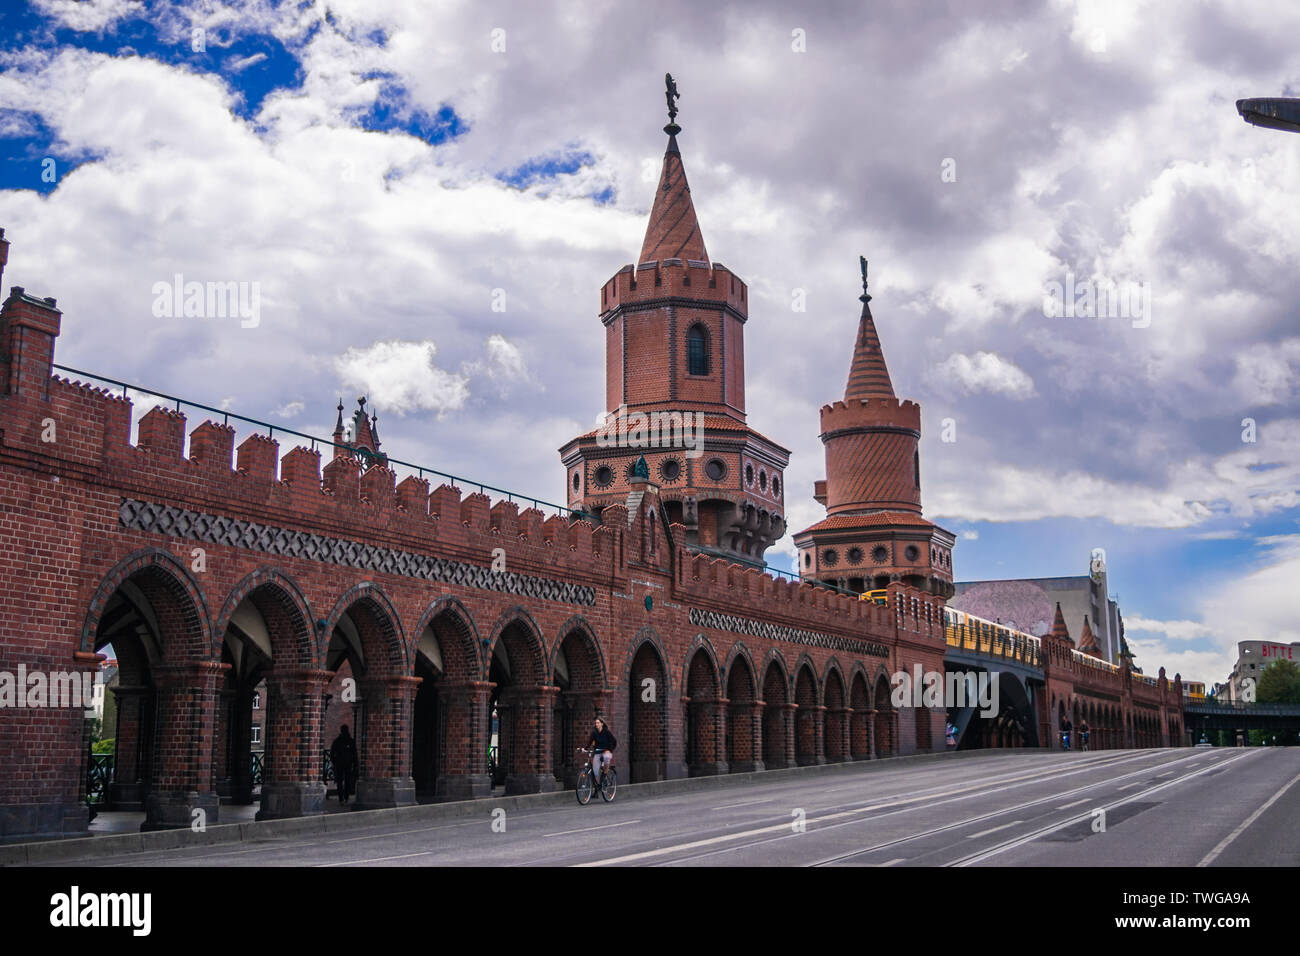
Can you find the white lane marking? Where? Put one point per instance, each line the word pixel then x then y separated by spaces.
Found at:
pixel 976 836
pixel 1167 773
pixel 377 859
pixel 1241 828
pixel 1024 779
pixel 1031 837
pixel 606 826
pixel 1075 804
pixel 747 803
pixel 1130 786
pixel 893 861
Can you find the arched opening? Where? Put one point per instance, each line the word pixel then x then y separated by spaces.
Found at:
pixel 808 719
pixel 366 637
pixel 776 712
pixel 167 696
pixel 837 728
pixel 705 717
pixel 580 677
pixel 742 717
pixel 647 715
pixel 449 733
pixel 520 707
pixel 860 719
pixel 267 626
pixel 885 743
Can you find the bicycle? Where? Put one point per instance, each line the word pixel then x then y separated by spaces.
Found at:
pixel 607 784
pixel 1083 740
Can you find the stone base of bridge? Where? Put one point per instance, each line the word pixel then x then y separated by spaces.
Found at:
pixel 711 769
pixel 30 821
pixel 174 809
pixel 281 800
pixel 747 766
pixel 531 783
pixel 462 786
pixel 383 793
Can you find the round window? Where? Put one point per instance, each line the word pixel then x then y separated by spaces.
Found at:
pixel 855 555
pixel 716 469
pixel 749 474
pixel 776 485
pixel 912 552
pixel 807 560
pixel 670 469
pixel 762 481
pixel 830 557
pixel 880 555
pixel 604 476
pixel 576 481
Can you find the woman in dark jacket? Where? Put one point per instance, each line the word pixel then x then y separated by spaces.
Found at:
pixel 602 744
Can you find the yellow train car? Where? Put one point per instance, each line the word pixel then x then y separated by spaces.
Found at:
pixel 1194 691
pixel 875 597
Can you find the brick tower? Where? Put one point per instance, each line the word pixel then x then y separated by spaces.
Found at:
pixel 675 387
pixel 873 534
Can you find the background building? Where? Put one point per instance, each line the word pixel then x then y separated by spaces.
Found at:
pixel 1028 604
pixel 1253 657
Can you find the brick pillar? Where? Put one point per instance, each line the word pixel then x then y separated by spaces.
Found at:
pixel 221 744
pixel 873 745
pixel 463 756
pixel 810 727
pixel 709 720
pixel 291 765
pixel 131 748
pixel 746 719
pixel 186 722
pixel 530 769
pixel 838 734
pixel 384 743
pixel 787 720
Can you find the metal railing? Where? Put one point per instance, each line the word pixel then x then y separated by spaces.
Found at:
pixel 99 775
pixel 420 470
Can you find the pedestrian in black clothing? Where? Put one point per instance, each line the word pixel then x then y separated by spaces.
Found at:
pixel 343 752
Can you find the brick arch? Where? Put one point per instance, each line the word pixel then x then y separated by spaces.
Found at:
pixel 578 624
pixel 649 635
pixel 804 660
pixel 702 643
pixel 283 607
pixel 884 719
pixel 171 590
pixel 833 667
pixel 774 655
pixel 517 620
pixel 380 628
pixel 463 650
pixel 740 652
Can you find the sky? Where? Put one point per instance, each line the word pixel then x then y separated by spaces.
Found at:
pixel 427 197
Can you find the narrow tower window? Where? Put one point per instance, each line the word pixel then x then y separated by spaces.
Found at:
pixel 697 350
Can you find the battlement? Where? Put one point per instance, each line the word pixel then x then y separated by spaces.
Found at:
pixel 717 583
pixel 675 278
pixel 83 432
pixel 869 413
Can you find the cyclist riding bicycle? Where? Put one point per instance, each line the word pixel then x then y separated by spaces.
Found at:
pixel 602 744
pixel 1083 735
pixel 1066 727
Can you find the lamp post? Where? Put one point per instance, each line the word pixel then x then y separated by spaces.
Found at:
pixel 1273 113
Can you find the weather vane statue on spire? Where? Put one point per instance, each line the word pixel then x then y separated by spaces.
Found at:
pixel 672 129
pixel 865 297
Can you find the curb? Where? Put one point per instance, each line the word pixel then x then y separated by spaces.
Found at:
pixel 77 848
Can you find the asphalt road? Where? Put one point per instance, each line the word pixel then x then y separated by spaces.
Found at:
pixel 1188 807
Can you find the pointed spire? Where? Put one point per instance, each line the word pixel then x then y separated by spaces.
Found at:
pixel 1058 626
pixel 868 375
pixel 673 231
pixel 1088 640
pixel 338 425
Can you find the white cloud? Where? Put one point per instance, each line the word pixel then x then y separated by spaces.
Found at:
pixel 88 16
pixel 289 410
pixel 987 372
pixel 401 377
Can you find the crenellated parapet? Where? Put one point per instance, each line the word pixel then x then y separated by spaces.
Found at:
pixel 685 279
pixel 843 416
